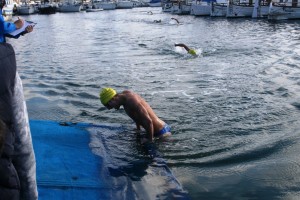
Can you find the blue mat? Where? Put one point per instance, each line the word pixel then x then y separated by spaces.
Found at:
pixel 68 169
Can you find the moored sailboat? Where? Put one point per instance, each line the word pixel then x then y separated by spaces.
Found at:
pixel 7 10
pixel 106 5
pixel 201 8
pixel 47 7
pixel 26 8
pixel 70 6
pixel 181 7
pixel 284 11
pixel 218 8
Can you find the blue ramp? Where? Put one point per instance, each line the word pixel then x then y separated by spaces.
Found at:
pixel 66 167
pixel 69 167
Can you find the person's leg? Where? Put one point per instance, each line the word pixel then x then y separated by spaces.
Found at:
pixel 24 158
pixel 13 113
pixel 9 181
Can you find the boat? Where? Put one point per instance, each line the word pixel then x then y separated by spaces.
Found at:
pixel 47 7
pixel 166 5
pixel 218 8
pixel 260 9
pixel 93 8
pixel 284 11
pixel 238 8
pixel 155 3
pixel 7 10
pixel 106 5
pixel 36 6
pixel 70 6
pixel 138 3
pixel 200 8
pixel 26 8
pixel 181 7
pixel 124 4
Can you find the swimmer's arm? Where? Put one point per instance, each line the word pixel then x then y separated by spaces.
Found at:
pixel 145 120
pixel 182 45
pixel 175 20
pixel 148 125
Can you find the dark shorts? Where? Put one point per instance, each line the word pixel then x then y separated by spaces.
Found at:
pixel 165 129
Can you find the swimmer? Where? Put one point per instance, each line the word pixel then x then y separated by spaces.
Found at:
pixel 150 13
pixel 157 21
pixel 190 51
pixel 138 110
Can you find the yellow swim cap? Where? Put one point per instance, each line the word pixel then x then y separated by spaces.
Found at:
pixel 193 52
pixel 106 95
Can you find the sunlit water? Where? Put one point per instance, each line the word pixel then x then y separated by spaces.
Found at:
pixel 233 109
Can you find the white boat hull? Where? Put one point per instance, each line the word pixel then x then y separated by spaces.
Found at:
pixel 107 5
pixel 181 9
pixel 26 9
pixel 239 10
pixel 94 9
pixel 166 7
pixel 218 9
pixel 260 10
pixel 157 4
pixel 70 8
pixel 283 12
pixel 124 5
pixel 47 8
pixel 200 9
pixel 7 13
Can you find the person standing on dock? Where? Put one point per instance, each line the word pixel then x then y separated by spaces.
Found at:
pixel 138 110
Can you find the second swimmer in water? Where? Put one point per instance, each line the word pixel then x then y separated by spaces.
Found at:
pixel 190 51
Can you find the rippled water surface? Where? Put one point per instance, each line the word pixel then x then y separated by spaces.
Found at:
pixel 234 109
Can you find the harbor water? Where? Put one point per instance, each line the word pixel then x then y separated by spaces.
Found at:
pixel 234 109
